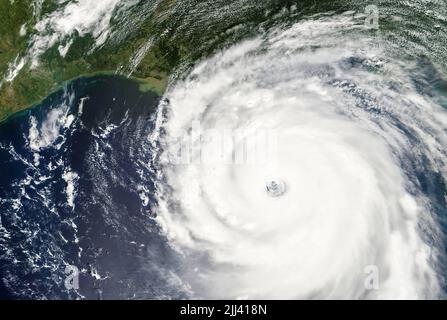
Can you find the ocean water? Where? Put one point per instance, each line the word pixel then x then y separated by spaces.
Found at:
pixel 76 190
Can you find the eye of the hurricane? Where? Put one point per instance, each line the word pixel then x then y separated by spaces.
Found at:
pixel 275 187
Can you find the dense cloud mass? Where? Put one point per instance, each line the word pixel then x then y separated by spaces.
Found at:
pixel 352 132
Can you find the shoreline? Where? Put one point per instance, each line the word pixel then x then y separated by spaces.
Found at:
pixel 144 85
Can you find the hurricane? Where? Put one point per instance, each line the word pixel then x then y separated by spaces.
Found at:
pixel 223 149
pixel 354 140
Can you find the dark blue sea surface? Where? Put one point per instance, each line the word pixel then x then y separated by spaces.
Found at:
pixel 76 190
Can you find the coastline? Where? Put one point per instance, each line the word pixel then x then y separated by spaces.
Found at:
pixel 157 86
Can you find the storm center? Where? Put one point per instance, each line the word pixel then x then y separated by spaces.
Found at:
pixel 275 187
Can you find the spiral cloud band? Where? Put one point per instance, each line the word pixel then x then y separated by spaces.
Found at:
pixel 352 134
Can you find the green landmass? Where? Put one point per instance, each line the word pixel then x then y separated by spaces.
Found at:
pixel 182 32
